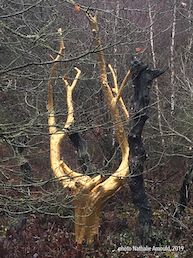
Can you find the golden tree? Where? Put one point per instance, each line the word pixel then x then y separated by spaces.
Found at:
pixel 90 193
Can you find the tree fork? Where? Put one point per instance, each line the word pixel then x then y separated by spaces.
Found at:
pixel 89 193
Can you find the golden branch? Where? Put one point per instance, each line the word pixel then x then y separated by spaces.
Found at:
pixel 69 90
pixel 109 187
pixel 50 106
pixel 118 92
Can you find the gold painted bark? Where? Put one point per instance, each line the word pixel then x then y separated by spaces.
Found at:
pixel 90 194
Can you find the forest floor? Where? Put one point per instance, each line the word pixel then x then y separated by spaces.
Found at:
pixel 50 236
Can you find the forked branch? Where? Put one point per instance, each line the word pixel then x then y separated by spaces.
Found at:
pixel 114 182
pixel 62 172
pixel 69 90
pixel 118 92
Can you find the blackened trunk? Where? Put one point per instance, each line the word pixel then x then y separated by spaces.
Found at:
pixel 19 145
pixel 185 190
pixel 142 78
pixel 83 156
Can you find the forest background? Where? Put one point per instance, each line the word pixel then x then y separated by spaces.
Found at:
pixel 159 33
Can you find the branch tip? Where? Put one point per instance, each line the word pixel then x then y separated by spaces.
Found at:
pixel 60 31
pixel 77 69
pixel 52 57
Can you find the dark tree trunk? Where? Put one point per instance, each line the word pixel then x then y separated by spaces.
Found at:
pixel 19 145
pixel 185 190
pixel 142 78
pixel 83 156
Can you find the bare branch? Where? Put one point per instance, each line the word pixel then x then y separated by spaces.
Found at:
pixel 20 12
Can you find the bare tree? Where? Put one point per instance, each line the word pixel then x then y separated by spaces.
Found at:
pixel 90 193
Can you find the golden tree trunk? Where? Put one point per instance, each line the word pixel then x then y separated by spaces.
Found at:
pixel 86 219
pixel 90 194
